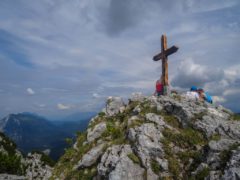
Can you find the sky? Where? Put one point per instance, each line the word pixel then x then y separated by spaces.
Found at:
pixel 60 57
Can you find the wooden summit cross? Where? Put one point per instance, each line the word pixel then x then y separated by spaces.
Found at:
pixel 165 52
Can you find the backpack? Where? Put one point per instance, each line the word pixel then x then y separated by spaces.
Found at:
pixel 208 98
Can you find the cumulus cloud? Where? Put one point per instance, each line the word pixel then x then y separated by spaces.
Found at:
pixel 61 106
pixel 190 73
pixel 96 95
pixel 30 91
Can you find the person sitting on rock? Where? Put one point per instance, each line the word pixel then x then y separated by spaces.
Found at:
pixel 159 87
pixel 201 94
pixel 204 96
pixel 193 93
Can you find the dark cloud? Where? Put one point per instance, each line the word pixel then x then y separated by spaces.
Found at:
pixel 121 15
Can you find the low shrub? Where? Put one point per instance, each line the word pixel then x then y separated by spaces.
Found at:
pixel 134 158
pixel 155 167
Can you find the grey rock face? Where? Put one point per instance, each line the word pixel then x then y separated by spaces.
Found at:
pixel 116 165
pixel 37 170
pixel 232 170
pixel 147 143
pixel 96 132
pixel 222 144
pixel 90 157
pixel 137 110
pixel 114 105
pixel 214 175
pixel 11 177
pixel 155 118
pixel 132 119
pixel 212 124
pixel 137 97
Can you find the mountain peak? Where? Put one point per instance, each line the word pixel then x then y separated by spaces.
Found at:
pixel 152 137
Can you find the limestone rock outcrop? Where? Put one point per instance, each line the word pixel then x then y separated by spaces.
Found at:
pixel 166 137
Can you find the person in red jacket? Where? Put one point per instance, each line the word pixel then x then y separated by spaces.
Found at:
pixel 159 87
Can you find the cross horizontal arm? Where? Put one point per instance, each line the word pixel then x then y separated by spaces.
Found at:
pixel 168 52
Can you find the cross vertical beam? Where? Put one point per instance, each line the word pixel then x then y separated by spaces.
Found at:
pixel 164 60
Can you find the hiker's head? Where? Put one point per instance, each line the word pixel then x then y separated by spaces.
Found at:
pixel 200 90
pixel 193 88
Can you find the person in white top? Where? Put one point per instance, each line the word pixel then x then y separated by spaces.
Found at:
pixel 193 94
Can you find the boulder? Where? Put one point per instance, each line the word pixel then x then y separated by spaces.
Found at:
pixel 116 165
pixel 36 168
pixel 137 96
pixel 222 144
pixel 90 157
pixel 114 105
pixel 96 132
pixel 232 171
pixel 147 143
pixel 155 118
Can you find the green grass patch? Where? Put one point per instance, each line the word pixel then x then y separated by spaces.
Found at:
pixel 201 175
pixel 120 117
pixel 236 117
pixel 185 138
pixel 113 131
pixel 11 164
pixel 215 137
pixel 83 174
pixel 171 120
pixel 134 158
pixel 71 157
pixel 187 155
pixel 136 123
pixel 155 167
pixel 198 116
pixel 8 144
pixel 174 167
pixel 101 114
pixel 116 133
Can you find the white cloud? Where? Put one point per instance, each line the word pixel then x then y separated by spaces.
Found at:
pixel 229 92
pixel 61 106
pixel 30 91
pixel 42 105
pixel 96 95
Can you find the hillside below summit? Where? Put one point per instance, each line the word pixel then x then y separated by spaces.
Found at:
pixel 166 137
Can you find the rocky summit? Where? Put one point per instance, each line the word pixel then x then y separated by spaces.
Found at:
pixel 166 137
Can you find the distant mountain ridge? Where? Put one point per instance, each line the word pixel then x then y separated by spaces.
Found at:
pixel 33 132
